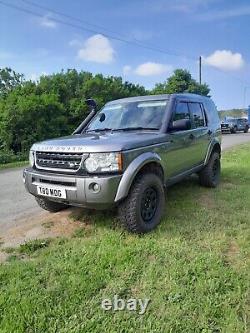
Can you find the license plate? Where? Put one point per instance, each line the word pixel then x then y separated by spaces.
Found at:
pixel 51 191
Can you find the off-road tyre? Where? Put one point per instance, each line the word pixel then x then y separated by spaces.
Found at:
pixel 209 176
pixel 135 211
pixel 49 205
pixel 246 129
pixel 233 130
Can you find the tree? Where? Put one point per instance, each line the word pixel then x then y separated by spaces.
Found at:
pixel 54 106
pixel 181 81
pixel 26 119
pixel 9 79
pixel 72 88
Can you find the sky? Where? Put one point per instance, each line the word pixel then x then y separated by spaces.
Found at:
pixel 142 41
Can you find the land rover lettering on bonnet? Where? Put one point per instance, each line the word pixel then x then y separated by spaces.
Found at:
pixel 126 155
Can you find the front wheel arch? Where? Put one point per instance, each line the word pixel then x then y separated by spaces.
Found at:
pixel 140 214
pixel 143 163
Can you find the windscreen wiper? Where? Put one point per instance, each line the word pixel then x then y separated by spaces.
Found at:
pixel 99 130
pixel 139 128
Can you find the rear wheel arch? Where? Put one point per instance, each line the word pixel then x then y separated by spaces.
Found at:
pixel 214 147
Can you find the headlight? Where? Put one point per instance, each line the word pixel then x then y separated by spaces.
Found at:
pixel 103 162
pixel 32 158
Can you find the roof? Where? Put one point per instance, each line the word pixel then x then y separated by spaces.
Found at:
pixel 157 97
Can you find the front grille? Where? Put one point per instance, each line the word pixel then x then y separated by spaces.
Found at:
pixel 59 160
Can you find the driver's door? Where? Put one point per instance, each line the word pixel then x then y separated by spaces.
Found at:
pixel 180 153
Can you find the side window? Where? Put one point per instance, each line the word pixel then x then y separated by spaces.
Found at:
pixel 198 114
pixel 181 111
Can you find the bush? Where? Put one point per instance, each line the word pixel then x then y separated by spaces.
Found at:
pixel 9 156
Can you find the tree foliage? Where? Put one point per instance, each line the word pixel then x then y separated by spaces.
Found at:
pixel 9 79
pixel 55 105
pixel 181 81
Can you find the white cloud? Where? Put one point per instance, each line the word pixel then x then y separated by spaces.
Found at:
pixel 97 49
pixel 126 69
pixel 46 22
pixel 152 68
pixel 225 59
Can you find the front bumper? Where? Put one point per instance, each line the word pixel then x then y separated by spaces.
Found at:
pixel 79 189
pixel 226 129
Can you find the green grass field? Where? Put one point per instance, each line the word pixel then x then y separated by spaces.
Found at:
pixel 194 267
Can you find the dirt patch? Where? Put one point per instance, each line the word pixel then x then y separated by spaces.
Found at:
pixel 227 185
pixel 206 200
pixel 59 224
pixel 3 256
pixel 232 253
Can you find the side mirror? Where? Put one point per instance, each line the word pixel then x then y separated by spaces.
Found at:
pixel 91 103
pixel 180 125
pixel 102 117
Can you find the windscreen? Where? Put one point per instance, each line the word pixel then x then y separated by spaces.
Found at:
pixel 144 114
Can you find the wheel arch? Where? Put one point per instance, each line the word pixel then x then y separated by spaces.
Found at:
pixel 146 162
pixel 215 146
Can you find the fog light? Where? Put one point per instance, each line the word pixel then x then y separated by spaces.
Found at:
pixel 95 187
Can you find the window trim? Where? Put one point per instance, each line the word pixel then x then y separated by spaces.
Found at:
pixel 192 115
pixel 175 108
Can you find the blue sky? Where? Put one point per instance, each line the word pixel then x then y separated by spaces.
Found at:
pixel 217 30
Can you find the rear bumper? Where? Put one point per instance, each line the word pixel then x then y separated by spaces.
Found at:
pixel 79 190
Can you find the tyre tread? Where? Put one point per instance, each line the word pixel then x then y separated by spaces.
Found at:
pixel 205 174
pixel 127 208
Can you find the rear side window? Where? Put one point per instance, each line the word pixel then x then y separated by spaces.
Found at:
pixel 181 111
pixel 198 114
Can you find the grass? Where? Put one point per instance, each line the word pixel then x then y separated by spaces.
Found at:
pixel 194 267
pixel 13 164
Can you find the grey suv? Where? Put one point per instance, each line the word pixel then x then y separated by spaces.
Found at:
pixel 234 125
pixel 126 154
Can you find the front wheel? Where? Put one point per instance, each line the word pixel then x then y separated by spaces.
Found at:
pixel 210 175
pixel 49 205
pixel 233 130
pixel 246 129
pixel 141 211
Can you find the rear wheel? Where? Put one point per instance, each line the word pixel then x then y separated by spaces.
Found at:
pixel 141 211
pixel 246 129
pixel 49 205
pixel 210 175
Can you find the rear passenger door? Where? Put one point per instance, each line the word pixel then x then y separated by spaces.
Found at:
pixel 200 132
